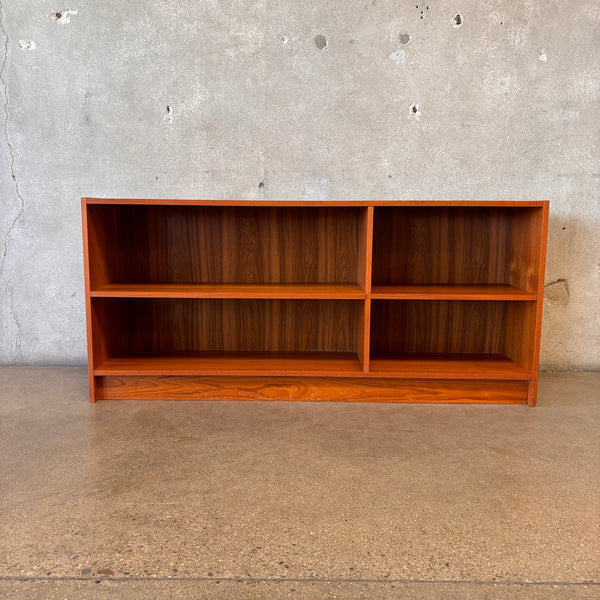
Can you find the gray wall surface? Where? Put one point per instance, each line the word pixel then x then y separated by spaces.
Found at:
pixel 292 99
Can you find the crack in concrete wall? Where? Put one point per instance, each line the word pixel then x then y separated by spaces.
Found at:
pixel 7 285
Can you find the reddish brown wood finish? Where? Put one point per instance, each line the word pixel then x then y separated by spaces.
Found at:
pixel 310 364
pixel 318 203
pixel 92 382
pixel 468 245
pixel 312 389
pixel 451 292
pixel 438 326
pixel 281 291
pixel 331 300
pixel 448 366
pixel 365 253
pixel 225 245
pixel 538 236
pixel 330 364
pixel 142 326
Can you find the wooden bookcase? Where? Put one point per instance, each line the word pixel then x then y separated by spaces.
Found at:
pixel 424 301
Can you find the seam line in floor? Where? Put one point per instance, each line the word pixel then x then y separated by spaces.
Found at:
pixel 34 578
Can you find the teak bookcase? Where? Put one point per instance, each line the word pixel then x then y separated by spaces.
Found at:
pixel 428 301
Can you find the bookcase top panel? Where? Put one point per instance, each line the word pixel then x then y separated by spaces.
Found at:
pixel 342 203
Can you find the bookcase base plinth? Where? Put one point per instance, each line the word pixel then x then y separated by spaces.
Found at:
pixel 168 387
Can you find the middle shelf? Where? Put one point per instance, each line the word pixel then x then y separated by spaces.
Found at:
pixel 276 291
pixel 450 292
pixel 312 291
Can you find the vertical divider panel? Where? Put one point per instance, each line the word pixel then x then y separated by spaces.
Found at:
pixel 365 259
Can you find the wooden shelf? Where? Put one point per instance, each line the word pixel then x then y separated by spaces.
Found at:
pixel 451 292
pixel 318 364
pixel 448 366
pixel 315 364
pixel 281 291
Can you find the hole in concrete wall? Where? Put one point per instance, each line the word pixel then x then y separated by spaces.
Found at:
pixel 169 114
pixel 261 184
pixel 320 41
pixel 414 110
pixel 63 16
pixel 458 20
pixel 404 38
pixel 27 45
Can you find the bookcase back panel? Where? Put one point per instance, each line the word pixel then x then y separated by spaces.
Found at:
pixel 453 245
pixel 413 326
pixel 213 244
pixel 147 326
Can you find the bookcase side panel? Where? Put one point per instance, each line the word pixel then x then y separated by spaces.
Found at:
pixel 525 247
pixel 103 251
pixel 519 336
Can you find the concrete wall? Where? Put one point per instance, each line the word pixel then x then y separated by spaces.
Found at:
pixel 292 99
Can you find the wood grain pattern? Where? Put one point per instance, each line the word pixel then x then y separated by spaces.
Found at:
pixel 519 333
pixel 449 245
pixel 451 292
pixel 100 222
pixel 312 389
pixel 525 248
pixel 365 253
pixel 400 301
pixel 231 245
pixel 363 335
pixel 289 291
pixel 542 240
pixel 141 326
pixel 448 366
pixel 437 326
pixel 322 364
pixel 457 245
pixel 92 382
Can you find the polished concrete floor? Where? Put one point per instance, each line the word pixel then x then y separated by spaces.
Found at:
pixel 297 500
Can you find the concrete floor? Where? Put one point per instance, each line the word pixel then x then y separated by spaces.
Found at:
pixel 316 500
